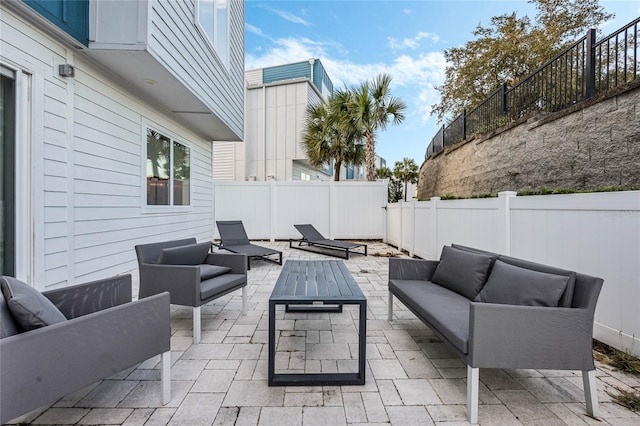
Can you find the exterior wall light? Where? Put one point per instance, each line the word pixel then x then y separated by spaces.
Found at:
pixel 66 70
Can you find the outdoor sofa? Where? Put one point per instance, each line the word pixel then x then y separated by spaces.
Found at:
pixel 60 341
pixel 496 311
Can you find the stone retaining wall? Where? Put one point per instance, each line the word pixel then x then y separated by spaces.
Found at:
pixel 593 144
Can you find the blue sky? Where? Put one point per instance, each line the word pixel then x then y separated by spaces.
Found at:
pixel 358 39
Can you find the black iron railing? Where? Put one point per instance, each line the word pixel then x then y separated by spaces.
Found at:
pixel 581 71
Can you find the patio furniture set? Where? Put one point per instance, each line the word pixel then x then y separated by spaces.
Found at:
pixel 493 311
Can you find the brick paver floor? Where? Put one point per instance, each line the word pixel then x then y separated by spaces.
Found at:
pixel 411 378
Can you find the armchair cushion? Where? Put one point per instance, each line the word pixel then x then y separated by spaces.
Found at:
pixel 211 271
pixel 29 308
pixel 513 285
pixel 462 271
pixel 221 284
pixel 191 254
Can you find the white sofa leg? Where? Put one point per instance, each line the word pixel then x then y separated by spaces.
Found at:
pixel 591 392
pixel 473 383
pixel 165 377
pixel 197 325
pixel 244 300
pixel 390 315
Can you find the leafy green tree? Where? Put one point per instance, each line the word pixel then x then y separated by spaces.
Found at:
pixel 372 110
pixel 330 134
pixel 406 171
pixel 394 190
pixel 511 48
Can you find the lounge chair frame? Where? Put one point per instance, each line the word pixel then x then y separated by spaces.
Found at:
pixel 233 238
pixel 312 238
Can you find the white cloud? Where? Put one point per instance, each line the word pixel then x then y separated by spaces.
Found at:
pixel 253 29
pixel 414 76
pixel 411 43
pixel 407 11
pixel 290 17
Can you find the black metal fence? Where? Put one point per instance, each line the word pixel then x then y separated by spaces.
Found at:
pixel 581 71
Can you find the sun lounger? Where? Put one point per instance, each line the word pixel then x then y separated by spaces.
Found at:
pixel 312 238
pixel 234 238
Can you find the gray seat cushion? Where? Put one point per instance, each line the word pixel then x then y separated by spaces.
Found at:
pixel 446 310
pixel 210 271
pixel 513 285
pixel 221 284
pixel 28 307
pixel 462 271
pixel 191 254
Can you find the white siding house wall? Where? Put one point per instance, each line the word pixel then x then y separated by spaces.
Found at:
pixel 596 234
pixel 183 49
pixel 87 162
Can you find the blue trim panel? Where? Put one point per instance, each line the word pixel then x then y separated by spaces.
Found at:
pixel 71 16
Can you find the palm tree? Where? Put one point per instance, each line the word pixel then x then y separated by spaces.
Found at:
pixel 372 109
pixel 406 171
pixel 329 133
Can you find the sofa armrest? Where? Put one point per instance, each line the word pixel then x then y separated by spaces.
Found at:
pixel 82 299
pixel 43 365
pixel 510 336
pixel 237 262
pixel 411 269
pixel 181 281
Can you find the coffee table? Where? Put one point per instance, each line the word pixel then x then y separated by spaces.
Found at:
pixel 314 284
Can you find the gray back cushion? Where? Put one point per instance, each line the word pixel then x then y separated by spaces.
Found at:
pixel 462 271
pixel 8 326
pixel 192 254
pixel 513 285
pixel 29 308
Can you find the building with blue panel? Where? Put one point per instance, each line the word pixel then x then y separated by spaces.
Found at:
pixel 276 100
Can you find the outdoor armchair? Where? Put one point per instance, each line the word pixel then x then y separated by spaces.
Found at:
pixel 101 332
pixel 192 276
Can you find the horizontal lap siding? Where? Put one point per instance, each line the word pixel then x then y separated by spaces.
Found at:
pixel 178 44
pixel 109 190
pixel 90 210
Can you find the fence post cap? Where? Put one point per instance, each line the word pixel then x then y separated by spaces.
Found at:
pixel 507 194
pixel 435 198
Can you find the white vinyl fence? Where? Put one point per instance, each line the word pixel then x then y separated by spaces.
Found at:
pixel 596 234
pixel 268 210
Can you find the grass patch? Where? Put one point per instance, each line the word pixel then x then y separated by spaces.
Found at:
pixel 387 254
pixel 628 399
pixel 622 360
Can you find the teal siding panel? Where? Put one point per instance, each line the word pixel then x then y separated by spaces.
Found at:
pixel 71 16
pixel 320 78
pixel 286 72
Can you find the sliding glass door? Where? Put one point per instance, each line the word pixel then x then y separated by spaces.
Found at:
pixel 7 162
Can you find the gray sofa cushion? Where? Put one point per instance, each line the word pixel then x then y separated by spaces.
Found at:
pixel 210 271
pixel 567 297
pixel 221 284
pixel 513 285
pixel 29 308
pixel 462 271
pixel 445 310
pixel 8 326
pixel 191 254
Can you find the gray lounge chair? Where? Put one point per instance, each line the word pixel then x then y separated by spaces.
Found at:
pixel 312 238
pixel 234 238
pixel 192 277
pixel 105 333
